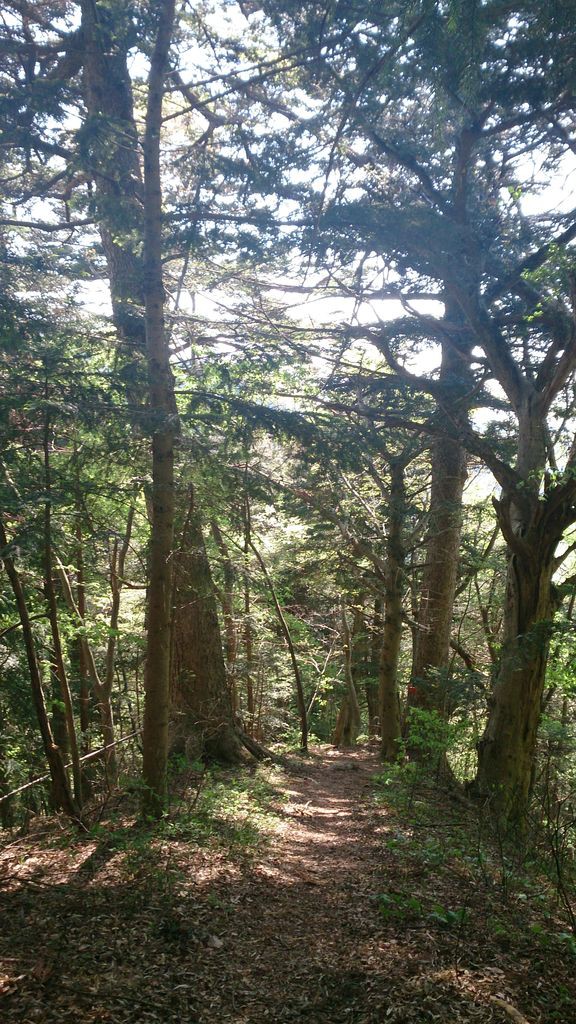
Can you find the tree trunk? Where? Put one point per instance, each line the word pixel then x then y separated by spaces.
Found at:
pixel 438 586
pixel 248 630
pixel 163 411
pixel 115 168
pixel 79 654
pixel 6 807
pixel 348 722
pixel 202 716
pixel 113 162
pixel 533 524
pixel 508 747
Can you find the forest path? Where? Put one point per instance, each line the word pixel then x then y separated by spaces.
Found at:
pixel 125 926
pixel 307 940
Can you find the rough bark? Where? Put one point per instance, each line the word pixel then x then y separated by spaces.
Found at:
pixel 119 189
pixel 162 409
pixel 533 525
pixel 202 717
pixel 113 162
pixel 438 586
pixel 508 746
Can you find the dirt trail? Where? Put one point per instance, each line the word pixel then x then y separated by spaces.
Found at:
pixel 101 934
pixel 308 942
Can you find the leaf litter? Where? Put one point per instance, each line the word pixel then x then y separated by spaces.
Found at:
pixel 332 908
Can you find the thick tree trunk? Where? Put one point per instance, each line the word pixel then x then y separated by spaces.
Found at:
pixel 438 586
pixel 162 409
pixel 533 527
pixel 117 174
pixel 113 161
pixel 202 715
pixel 508 746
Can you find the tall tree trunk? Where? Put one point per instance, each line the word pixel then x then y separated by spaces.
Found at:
pixel 508 747
pixel 113 162
pixel 248 627
pixel 115 168
pixel 533 522
pixel 163 412
pixel 438 585
pixel 202 718
pixel 6 807
pixel 80 658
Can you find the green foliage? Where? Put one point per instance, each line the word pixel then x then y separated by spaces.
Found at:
pixel 408 908
pixel 232 810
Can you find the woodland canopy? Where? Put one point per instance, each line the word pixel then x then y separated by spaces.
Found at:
pixel 287 303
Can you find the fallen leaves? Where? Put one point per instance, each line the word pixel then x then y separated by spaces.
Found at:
pixel 172 932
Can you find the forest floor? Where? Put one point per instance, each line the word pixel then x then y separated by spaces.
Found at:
pixel 327 893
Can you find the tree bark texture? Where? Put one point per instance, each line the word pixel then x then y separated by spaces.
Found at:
pixel 533 525
pixel 438 586
pixel 164 427
pixel 508 746
pixel 111 155
pixel 202 717
pixel 119 188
